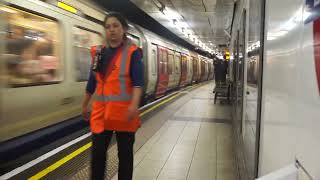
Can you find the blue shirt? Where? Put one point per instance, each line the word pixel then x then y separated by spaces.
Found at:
pixel 136 69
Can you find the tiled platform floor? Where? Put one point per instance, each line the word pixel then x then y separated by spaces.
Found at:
pixel 195 143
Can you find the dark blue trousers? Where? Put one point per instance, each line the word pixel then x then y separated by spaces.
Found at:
pixel 100 143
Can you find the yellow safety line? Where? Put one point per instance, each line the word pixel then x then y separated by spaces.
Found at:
pixel 87 146
pixel 156 106
pixel 60 162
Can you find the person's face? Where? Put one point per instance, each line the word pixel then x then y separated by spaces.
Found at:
pixel 114 30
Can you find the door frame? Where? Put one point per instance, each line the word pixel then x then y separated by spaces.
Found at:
pixel 260 88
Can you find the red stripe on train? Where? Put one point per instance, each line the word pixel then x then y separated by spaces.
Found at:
pixel 316 32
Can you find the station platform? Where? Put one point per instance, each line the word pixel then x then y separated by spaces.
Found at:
pixel 184 136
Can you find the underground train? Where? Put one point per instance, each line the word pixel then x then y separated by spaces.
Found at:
pixel 275 88
pixel 45 62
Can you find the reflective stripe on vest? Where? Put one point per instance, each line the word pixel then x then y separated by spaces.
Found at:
pixel 122 78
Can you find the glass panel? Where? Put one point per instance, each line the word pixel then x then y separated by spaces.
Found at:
pixel 170 61
pixel 153 62
pixel 254 68
pixel 82 42
pixel 177 64
pixel 165 61
pixel 161 61
pixel 32 49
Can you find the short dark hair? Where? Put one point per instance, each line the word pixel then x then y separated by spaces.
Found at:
pixel 119 17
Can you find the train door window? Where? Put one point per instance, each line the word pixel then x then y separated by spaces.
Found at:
pixel 170 62
pixel 161 68
pixel 134 39
pixel 182 64
pixel 83 39
pixel 194 64
pixel 187 62
pixel 165 61
pixel 177 62
pixel 185 66
pixel 32 49
pixel 153 61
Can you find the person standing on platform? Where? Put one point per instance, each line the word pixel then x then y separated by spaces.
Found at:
pixel 116 80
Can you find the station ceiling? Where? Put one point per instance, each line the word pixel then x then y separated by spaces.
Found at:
pixel 207 20
pixel 200 25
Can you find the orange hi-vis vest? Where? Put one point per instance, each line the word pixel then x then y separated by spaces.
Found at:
pixel 113 94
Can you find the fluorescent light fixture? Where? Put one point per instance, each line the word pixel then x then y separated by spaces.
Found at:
pixel 183 24
pixel 67 7
pixel 171 14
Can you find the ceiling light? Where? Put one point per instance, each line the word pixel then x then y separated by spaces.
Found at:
pixel 170 14
pixel 183 24
pixel 159 4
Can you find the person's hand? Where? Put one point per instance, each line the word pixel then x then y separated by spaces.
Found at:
pixel 132 112
pixel 84 113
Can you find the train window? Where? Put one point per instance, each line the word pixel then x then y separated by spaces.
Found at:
pixel 134 39
pixel 170 61
pixel 31 49
pixel 185 66
pixel 83 39
pixel 153 61
pixel 165 61
pixel 177 64
pixel 160 61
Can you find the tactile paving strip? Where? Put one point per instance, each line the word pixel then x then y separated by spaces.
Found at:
pixel 111 168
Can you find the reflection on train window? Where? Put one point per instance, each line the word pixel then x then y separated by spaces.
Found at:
pixel 252 69
pixel 165 61
pixel 195 70
pixel 32 49
pixel 82 41
pixel 134 39
pixel 177 64
pixel 189 65
pixel 185 65
pixel 160 68
pixel 153 62
pixel 170 62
